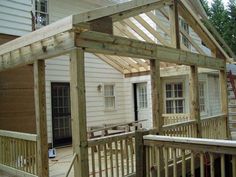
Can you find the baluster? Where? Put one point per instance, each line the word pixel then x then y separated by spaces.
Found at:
pixel 174 163
pixel 212 161
pixel 183 163
pixel 111 160
pixel 166 162
pixel 192 165
pixel 122 157
pixel 127 156
pixel 147 149
pixel 222 164
pixel 234 165
pixel 93 160
pixel 132 154
pixel 202 168
pixel 117 159
pixel 105 159
pixel 99 161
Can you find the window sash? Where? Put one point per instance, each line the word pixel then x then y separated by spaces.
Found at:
pixel 174 98
pixel 41 13
pixel 142 96
pixel 109 97
pixel 202 100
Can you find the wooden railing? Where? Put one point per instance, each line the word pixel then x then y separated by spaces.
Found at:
pixel 214 127
pixel 18 153
pixel 112 155
pixel 175 118
pixel 207 156
pixel 182 129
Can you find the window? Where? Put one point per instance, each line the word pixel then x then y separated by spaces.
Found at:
pixel 202 97
pixel 109 96
pixel 41 13
pixel 184 39
pixel 142 95
pixel 174 98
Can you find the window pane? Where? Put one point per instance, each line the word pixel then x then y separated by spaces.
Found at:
pixel 201 97
pixel 179 106
pixel 169 107
pixel 109 95
pixel 168 91
pixel 142 95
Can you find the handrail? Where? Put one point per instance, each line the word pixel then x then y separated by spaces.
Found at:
pixel 219 116
pixel 223 146
pixel 179 124
pixel 116 125
pixel 18 135
pixel 109 139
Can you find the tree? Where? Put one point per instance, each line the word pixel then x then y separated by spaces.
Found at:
pixel 230 36
pixel 206 7
pixel 219 17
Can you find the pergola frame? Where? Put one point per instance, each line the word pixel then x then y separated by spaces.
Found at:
pixel 73 35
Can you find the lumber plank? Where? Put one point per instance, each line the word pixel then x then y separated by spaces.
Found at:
pixel 41 118
pixel 78 113
pixel 113 45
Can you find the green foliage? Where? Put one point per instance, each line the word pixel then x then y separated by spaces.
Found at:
pixel 223 19
pixel 231 30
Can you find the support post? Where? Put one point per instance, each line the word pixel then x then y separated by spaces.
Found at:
pixel 194 99
pixel 140 153
pixel 224 97
pixel 157 101
pixel 174 22
pixel 78 113
pixel 41 119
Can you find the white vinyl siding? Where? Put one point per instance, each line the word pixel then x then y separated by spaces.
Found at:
pixel 15 17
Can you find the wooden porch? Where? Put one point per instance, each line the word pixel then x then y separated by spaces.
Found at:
pixel 128 154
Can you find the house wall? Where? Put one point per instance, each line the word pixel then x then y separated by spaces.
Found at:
pixel 15 17
pixel 17 100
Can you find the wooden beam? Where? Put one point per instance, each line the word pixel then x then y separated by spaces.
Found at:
pixel 52 47
pixel 121 11
pixel 60 26
pixel 157 99
pixel 139 31
pixel 116 45
pixel 41 118
pixel 103 25
pixel 196 24
pixel 153 31
pixel 159 23
pixel 174 24
pixel 78 113
pixel 194 99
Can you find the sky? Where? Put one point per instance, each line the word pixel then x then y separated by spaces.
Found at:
pixel 224 1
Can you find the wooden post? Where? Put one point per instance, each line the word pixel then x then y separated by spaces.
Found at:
pixel 224 97
pixel 157 101
pixel 174 22
pixel 41 119
pixel 194 99
pixel 140 153
pixel 78 113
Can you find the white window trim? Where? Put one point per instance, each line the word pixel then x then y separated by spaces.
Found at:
pixel 114 87
pixel 173 81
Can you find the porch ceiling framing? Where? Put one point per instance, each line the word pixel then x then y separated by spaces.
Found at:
pixel 58 38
